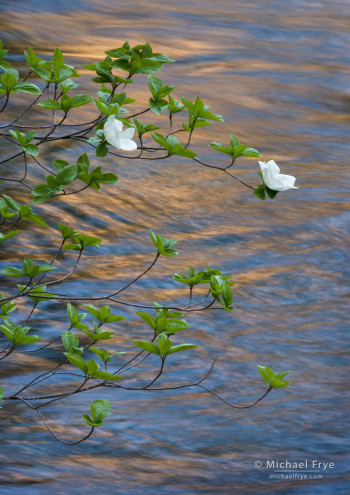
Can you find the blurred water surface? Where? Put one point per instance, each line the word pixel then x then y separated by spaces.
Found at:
pixel 279 73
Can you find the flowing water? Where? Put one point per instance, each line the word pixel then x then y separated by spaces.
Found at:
pixel 278 72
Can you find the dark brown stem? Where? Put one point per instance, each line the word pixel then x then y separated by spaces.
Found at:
pixel 232 405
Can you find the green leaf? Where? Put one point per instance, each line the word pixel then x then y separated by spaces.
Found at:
pixel 92 310
pixel 222 148
pixel 70 341
pixel 66 175
pixel 100 409
pixel 30 339
pixel 6 308
pixel 67 85
pixel 46 268
pixel 181 347
pixel 103 375
pixel 2 394
pixel 44 74
pixel 158 138
pixel 146 346
pixel 145 66
pixel 270 192
pixel 80 100
pixel 164 344
pixel 11 203
pixel 108 178
pixel 163 245
pixel 50 104
pixel 76 361
pixel 173 145
pixel 158 106
pixel 273 380
pixel 174 105
pixel 92 367
pixel 147 318
pixel 8 80
pixel 33 217
pixel 154 85
pixel 67 232
pixel 4 237
pixel 251 152
pixel 30 135
pixel 31 149
pixel 13 272
pixel 89 421
pixel 58 58
pixel 89 240
pixel 24 87
pixel 260 191
pixel 101 150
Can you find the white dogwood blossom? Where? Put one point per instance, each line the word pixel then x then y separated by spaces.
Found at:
pixel 273 179
pixel 114 134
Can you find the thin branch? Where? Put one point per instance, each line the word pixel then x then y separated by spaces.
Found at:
pixel 137 278
pixel 233 405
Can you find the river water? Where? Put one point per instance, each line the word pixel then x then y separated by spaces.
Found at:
pixel 279 73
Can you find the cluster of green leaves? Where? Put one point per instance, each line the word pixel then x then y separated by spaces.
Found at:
pixel 73 353
pixel 139 127
pixel 67 173
pixel 157 103
pixel 90 368
pixel 273 379
pixel 198 114
pixel 54 71
pixel 220 285
pixel 172 145
pixel 30 269
pixel 3 63
pixel 166 321
pixel 80 241
pixel 220 288
pixel 9 208
pixel 24 140
pixel 163 348
pixel 9 83
pixel 139 59
pixel 163 246
pixel 6 308
pixel 99 411
pixel 17 334
pixel 236 149
pixel 102 316
pixel 66 102
pixel 104 73
pixel 105 355
pixel 111 104
pixel 36 293
pixel 261 191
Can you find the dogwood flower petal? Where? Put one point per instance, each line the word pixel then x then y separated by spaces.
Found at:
pixel 127 145
pixel 113 123
pixel 273 179
pixel 128 133
pixel 114 134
